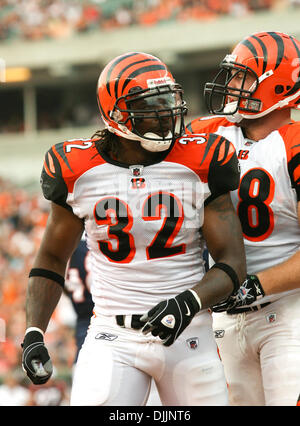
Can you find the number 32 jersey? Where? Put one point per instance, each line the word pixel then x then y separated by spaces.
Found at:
pixel 143 223
pixel 269 190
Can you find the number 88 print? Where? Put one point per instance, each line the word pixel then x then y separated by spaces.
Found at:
pixel 117 215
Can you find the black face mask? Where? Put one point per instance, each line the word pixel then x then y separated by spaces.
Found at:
pixel 163 105
pixel 217 92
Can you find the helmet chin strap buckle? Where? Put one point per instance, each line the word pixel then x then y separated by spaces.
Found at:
pixel 116 115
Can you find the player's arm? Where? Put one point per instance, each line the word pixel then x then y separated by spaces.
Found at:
pixel 62 234
pixel 277 279
pixel 223 234
pixel 61 237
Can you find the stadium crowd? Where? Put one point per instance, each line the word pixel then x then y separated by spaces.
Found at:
pixel 53 19
pixel 23 217
pixel 39 19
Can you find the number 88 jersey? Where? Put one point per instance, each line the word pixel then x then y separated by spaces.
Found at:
pixel 269 190
pixel 143 223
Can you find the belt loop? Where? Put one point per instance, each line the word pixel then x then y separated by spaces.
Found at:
pixel 127 321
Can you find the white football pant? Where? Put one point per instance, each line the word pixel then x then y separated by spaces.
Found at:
pixel 261 353
pixel 116 365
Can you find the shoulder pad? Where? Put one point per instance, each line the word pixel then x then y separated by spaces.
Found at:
pixel 208 124
pixel 63 164
pixel 291 138
pixel 224 169
pixel 212 157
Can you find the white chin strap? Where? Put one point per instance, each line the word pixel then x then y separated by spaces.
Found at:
pixel 157 144
pixel 238 117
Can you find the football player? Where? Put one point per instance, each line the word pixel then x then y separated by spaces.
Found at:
pixel 258 333
pixel 148 197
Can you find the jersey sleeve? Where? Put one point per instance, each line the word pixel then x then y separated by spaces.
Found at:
pixel 52 182
pixel 224 169
pixel 207 124
pixel 292 145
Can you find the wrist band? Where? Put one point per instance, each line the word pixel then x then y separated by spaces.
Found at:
pixel 230 272
pixel 34 329
pixel 45 273
pixel 197 298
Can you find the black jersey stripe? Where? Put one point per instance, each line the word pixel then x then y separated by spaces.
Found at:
pixel 56 164
pixel 226 147
pixel 60 150
pixel 211 140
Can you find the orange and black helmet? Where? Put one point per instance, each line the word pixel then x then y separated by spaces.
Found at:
pixel 135 84
pixel 273 61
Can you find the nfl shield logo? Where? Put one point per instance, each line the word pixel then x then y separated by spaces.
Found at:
pixel 271 317
pixel 192 342
pixel 136 170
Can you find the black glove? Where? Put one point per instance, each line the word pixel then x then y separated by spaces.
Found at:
pixel 169 318
pixel 250 291
pixel 36 361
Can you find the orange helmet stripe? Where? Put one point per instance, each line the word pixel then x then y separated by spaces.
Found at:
pixel 140 71
pixel 125 69
pixel 265 52
pixel 113 66
pixel 297 82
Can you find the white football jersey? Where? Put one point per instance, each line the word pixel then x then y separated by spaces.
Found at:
pixel 269 190
pixel 143 223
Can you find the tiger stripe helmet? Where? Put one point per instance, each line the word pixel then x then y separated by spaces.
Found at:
pixel 273 59
pixel 136 83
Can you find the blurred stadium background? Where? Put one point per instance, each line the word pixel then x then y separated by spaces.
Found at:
pixel 51 54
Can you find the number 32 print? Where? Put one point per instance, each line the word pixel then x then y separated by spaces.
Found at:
pixel 117 215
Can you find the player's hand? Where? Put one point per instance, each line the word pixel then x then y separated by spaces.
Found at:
pixel 250 291
pixel 36 361
pixel 169 318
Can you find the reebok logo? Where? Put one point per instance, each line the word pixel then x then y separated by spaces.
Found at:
pixel 219 334
pixel 106 336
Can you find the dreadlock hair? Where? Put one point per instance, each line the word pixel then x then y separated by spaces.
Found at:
pixel 106 142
